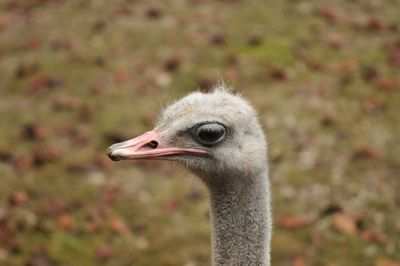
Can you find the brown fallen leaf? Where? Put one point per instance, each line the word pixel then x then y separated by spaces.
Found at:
pixel 327 121
pixel 86 111
pixel 118 225
pixel 397 198
pixel 347 66
pixel 66 103
pixel 99 25
pixel 44 155
pixel 99 61
pixel 33 131
pixel 336 41
pixel 22 162
pixel 123 9
pixel 254 41
pixel 173 63
pixel 387 262
pixel 121 76
pixel 97 88
pixel 329 12
pixel 80 137
pixel 344 223
pixel 97 214
pixel 232 73
pixel 33 43
pixel 376 24
pixel 153 12
pixel 369 72
pixel 372 104
pixel 40 258
pixel 194 195
pixel 62 43
pixel 110 192
pixel 318 240
pixel 6 231
pixel 91 227
pixel 217 39
pixel 65 222
pixel 205 84
pixel 372 235
pixel 144 87
pixel 140 66
pixel 366 152
pixel 54 208
pixel 4 22
pixel 19 198
pixel 101 161
pixel 104 253
pixel 298 261
pixel 292 222
pixel 170 206
pixel 42 83
pixel 78 167
pixel 24 70
pixel 387 84
pixel 5 155
pixel 393 53
pixel 279 74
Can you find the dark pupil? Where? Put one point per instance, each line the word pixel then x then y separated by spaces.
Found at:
pixel 210 135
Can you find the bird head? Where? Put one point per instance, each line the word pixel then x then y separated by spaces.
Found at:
pixel 214 134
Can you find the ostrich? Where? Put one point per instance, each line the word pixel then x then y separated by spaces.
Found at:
pixel 218 137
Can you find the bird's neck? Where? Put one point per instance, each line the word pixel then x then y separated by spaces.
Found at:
pixel 241 220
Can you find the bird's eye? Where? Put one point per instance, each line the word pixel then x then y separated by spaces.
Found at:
pixel 209 134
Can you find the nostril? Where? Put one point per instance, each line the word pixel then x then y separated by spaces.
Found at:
pixel 153 144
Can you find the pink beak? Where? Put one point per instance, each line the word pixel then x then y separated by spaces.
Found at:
pixel 147 146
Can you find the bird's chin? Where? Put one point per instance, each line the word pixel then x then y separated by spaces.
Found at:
pixel 149 146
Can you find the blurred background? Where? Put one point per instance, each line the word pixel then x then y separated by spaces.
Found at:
pixel 79 75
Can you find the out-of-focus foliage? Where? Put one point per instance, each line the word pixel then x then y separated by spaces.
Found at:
pixel 76 76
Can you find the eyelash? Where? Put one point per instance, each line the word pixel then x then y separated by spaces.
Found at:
pixel 206 122
pixel 187 130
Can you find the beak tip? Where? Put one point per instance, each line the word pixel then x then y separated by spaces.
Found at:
pixel 111 155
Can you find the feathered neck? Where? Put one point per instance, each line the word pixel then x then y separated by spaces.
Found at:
pixel 241 220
